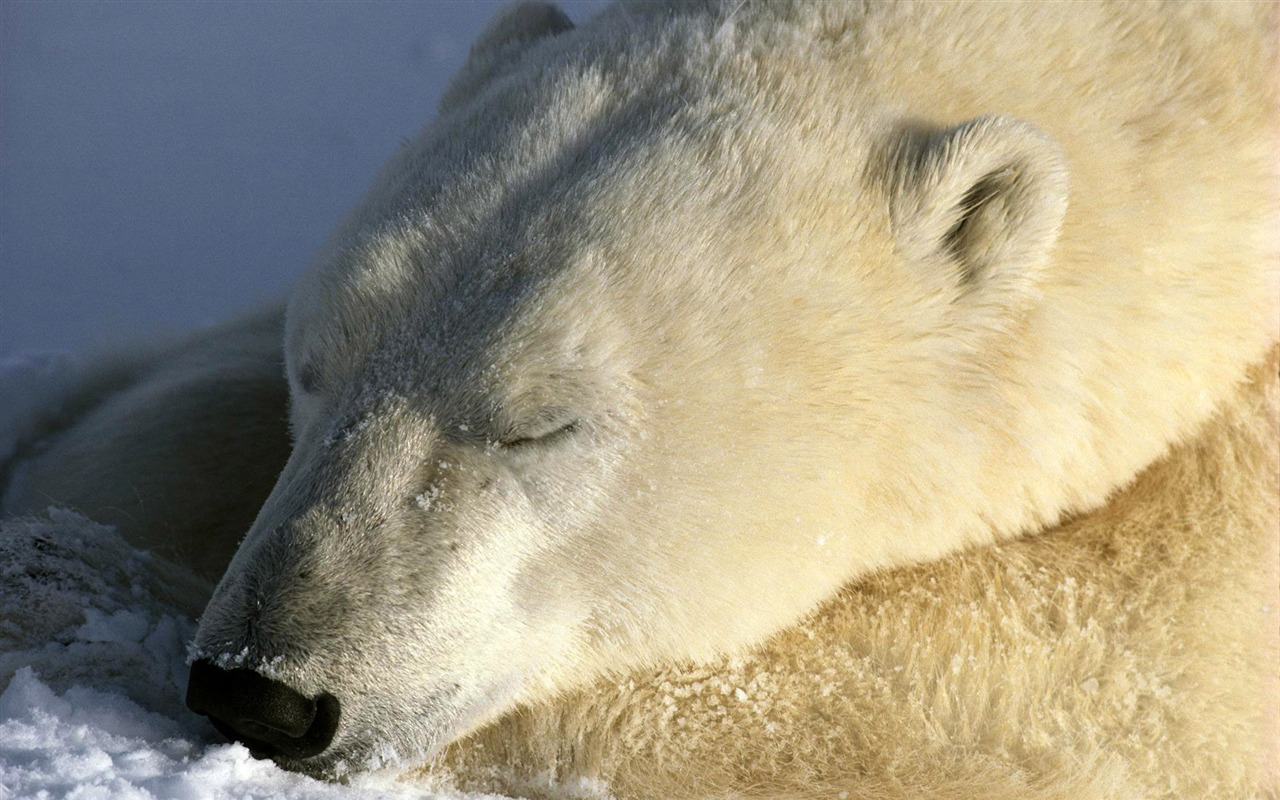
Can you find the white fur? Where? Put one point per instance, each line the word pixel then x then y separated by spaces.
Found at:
pixel 673 324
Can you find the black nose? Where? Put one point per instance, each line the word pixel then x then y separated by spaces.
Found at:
pixel 263 714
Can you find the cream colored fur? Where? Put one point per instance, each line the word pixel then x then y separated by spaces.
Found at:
pixel 674 325
pixel 1132 653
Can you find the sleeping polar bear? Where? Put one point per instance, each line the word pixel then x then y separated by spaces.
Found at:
pixel 672 326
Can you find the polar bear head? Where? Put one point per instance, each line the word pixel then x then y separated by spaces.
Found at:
pixel 618 363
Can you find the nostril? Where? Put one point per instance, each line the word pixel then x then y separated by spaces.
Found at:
pixel 264 714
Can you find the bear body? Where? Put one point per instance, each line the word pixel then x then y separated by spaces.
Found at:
pixel 673 325
pixel 194 435
pixel 1130 654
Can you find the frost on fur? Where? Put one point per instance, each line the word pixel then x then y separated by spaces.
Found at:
pixel 790 364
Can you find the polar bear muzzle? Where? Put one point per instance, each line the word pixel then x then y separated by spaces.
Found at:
pixel 263 714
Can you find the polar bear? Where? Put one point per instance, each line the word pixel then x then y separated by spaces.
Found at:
pixel 672 325
pixel 1131 653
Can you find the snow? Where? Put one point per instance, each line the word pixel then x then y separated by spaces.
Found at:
pixel 93 644
pixel 86 743
pixel 162 166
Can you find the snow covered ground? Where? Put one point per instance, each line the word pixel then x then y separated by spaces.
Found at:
pixel 164 165
pixel 93 638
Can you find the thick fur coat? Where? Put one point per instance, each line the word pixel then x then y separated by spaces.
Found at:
pixel 1131 653
pixel 707 320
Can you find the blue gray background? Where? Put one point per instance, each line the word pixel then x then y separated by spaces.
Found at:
pixel 164 165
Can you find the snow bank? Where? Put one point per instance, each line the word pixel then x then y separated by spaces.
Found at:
pixel 93 650
pixel 93 637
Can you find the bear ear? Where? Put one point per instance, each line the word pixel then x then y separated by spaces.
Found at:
pixel 511 32
pixel 980 206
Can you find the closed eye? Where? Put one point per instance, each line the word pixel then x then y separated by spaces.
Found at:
pixel 550 435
